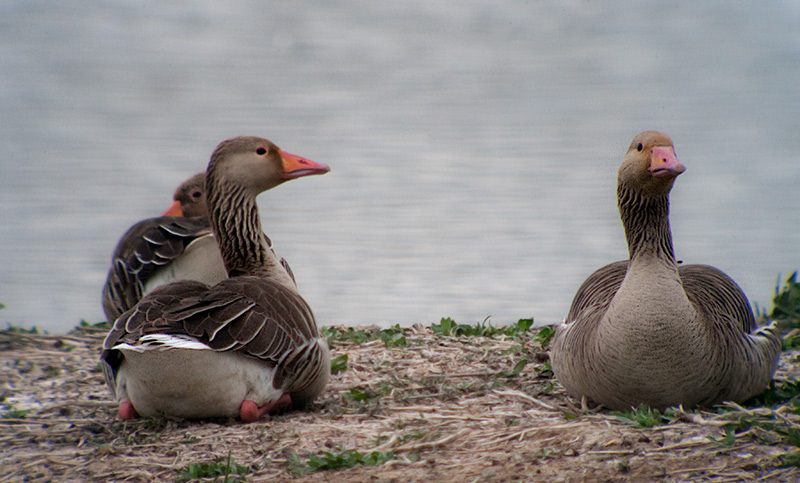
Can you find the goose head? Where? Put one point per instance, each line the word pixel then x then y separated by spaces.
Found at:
pixel 255 164
pixel 189 199
pixel 650 165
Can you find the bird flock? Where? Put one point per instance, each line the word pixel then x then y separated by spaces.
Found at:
pixel 207 320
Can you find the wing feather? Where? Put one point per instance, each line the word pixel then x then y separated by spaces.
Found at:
pixel 144 248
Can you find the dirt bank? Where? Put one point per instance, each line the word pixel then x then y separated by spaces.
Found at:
pixel 438 408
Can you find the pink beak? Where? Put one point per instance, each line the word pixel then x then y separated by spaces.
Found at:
pixel 663 162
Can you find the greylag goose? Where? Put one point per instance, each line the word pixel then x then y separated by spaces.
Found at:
pixel 189 199
pixel 178 245
pixel 245 346
pixel 150 245
pixel 646 331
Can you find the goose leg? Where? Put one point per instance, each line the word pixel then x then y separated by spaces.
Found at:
pixel 250 412
pixel 127 411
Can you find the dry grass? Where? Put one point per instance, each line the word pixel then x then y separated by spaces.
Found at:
pixel 441 408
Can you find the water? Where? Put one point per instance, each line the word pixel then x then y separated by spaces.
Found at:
pixel 473 145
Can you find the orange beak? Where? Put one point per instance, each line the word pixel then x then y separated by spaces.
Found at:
pixel 663 162
pixel 174 209
pixel 295 166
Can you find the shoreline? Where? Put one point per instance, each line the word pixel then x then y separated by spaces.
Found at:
pixel 408 404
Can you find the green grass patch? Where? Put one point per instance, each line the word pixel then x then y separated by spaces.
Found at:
pixel 544 336
pixel 22 330
pixel 644 416
pixel 786 303
pixel 726 441
pixel 361 397
pixel 12 413
pixel 770 424
pixel 229 469
pixel 329 461
pixel 393 336
pixel 790 459
pixel 448 327
pixel 87 327
pixel 339 364
pixel 777 393
pixel 540 364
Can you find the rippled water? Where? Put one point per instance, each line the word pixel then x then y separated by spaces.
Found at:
pixel 473 145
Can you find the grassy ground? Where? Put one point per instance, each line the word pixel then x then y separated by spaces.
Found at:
pixel 445 402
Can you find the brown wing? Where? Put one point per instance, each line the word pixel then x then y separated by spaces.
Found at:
pixel 717 297
pixel 714 294
pixel 248 314
pixel 145 247
pixel 592 299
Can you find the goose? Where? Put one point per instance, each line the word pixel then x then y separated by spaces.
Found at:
pixel 178 245
pixel 154 243
pixel 189 199
pixel 648 331
pixel 243 347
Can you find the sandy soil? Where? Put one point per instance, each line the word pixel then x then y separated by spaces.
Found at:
pixel 444 408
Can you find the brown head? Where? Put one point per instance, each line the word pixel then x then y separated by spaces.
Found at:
pixel 239 170
pixel 650 165
pixel 255 164
pixel 189 199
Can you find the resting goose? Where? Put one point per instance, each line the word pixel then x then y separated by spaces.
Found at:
pixel 245 346
pixel 189 199
pixel 178 245
pixel 645 330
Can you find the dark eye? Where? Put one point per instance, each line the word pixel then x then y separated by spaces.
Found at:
pixel 197 194
pixel 261 151
pixel 639 147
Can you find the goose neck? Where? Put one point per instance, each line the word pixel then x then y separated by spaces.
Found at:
pixel 646 223
pixel 237 225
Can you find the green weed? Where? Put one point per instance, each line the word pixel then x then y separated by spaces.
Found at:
pixel 544 336
pixel 644 416
pixel 86 327
pixel 346 459
pixel 12 413
pixel 22 330
pixel 778 392
pixel 393 336
pixel 546 372
pixel 339 364
pixel 214 470
pixel 448 327
pixel 360 397
pixel 726 441
pixel 790 459
pixel 786 303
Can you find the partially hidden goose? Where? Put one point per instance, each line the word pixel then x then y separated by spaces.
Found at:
pixel 646 330
pixel 189 199
pixel 178 245
pixel 245 346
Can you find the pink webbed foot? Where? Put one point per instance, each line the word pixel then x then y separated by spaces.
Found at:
pixel 250 412
pixel 127 411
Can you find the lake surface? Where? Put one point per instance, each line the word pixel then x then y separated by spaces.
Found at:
pixel 473 145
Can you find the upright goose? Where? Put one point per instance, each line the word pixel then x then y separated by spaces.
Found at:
pixel 178 245
pixel 243 347
pixel 645 330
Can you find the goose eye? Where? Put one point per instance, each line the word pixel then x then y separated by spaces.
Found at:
pixel 639 147
pixel 197 194
pixel 261 151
